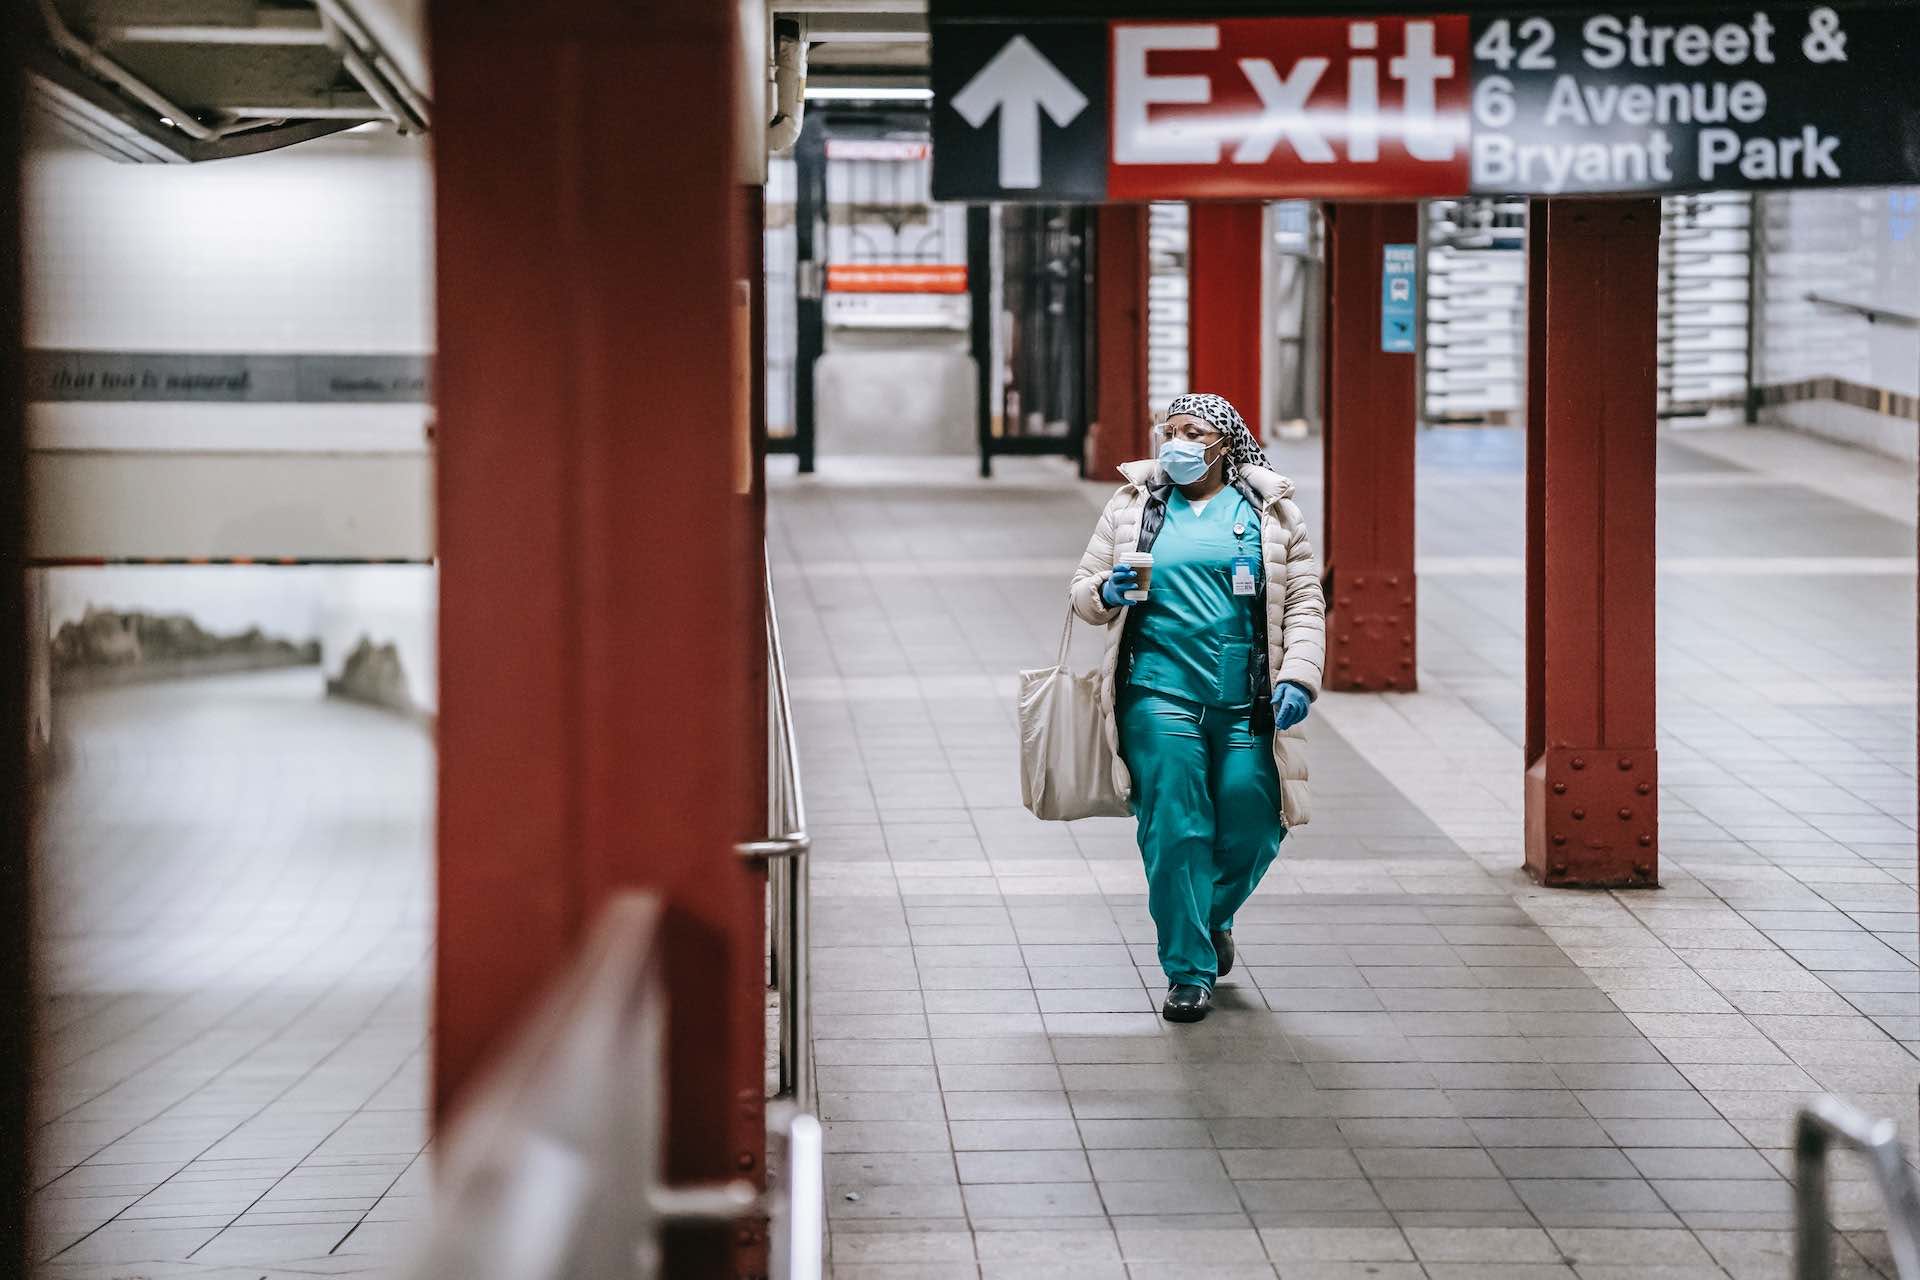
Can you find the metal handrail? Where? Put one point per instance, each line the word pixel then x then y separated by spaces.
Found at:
pixel 1871 313
pixel 784 854
pixel 1828 1121
pixel 787 803
pixel 553 1168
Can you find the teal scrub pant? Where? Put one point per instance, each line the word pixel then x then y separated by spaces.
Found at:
pixel 1207 799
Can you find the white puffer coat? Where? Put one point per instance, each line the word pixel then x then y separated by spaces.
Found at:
pixel 1296 611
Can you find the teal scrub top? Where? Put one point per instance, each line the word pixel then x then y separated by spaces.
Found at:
pixel 1192 637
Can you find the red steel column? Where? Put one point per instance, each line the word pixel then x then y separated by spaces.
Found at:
pixel 746 506
pixel 597 536
pixel 1592 782
pixel 1225 327
pixel 1120 293
pixel 17 1002
pixel 1370 409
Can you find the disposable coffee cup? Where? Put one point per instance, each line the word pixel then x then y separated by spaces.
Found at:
pixel 1142 563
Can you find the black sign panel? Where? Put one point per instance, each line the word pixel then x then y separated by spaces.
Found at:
pixel 1020 112
pixel 1721 98
pixel 1328 100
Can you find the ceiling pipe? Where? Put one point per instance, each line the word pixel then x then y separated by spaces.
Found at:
pixel 366 62
pixel 342 45
pixel 789 84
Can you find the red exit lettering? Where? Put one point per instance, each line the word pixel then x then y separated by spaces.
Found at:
pixel 1267 107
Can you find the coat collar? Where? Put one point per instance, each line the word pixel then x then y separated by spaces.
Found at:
pixel 1269 485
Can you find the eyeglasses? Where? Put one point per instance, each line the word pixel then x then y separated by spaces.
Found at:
pixel 1189 432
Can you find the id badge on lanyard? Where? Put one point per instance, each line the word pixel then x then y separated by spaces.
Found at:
pixel 1243 580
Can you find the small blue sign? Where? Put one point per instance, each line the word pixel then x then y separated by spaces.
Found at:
pixel 1399 297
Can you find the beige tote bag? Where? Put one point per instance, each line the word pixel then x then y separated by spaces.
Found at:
pixel 1066 766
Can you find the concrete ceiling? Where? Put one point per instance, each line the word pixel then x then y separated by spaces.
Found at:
pixel 848 37
pixel 187 80
pixel 184 80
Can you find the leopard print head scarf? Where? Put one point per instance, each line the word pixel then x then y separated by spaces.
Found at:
pixel 1243 450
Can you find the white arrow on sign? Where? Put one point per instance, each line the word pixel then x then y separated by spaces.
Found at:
pixel 1017 82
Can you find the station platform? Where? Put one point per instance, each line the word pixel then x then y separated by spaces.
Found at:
pixel 237 914
pixel 1424 1065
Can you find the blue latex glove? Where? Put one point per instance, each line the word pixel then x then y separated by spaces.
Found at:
pixel 1290 703
pixel 1125 578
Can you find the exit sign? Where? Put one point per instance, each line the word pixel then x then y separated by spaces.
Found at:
pixel 1033 105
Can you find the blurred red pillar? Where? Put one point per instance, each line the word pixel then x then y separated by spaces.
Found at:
pixel 1370 406
pixel 1120 287
pixel 1592 782
pixel 16 791
pixel 600 542
pixel 1225 324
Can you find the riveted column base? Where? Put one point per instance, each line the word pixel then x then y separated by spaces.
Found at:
pixel 1593 818
pixel 1370 630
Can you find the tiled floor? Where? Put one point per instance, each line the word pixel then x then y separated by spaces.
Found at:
pixel 234 888
pixel 1424 1066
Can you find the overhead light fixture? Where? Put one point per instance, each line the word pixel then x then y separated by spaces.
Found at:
pixel 872 93
pixel 852 27
pixel 865 35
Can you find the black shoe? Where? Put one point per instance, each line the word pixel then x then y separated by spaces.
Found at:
pixel 1186 1003
pixel 1222 952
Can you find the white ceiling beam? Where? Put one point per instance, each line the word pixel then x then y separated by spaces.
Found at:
pixel 297 32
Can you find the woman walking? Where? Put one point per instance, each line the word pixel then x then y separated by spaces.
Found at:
pixel 1207 679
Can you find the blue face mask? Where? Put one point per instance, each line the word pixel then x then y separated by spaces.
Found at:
pixel 1185 462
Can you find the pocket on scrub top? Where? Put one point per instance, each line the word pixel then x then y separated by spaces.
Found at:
pixel 1233 673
